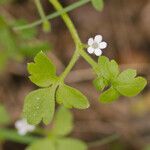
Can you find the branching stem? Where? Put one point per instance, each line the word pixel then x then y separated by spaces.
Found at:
pixel 79 46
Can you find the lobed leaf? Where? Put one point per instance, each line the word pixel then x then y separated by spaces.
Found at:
pixel 126 75
pixel 63 122
pixel 131 87
pixel 40 105
pixel 43 72
pixel 71 97
pixel 109 95
pixel 107 69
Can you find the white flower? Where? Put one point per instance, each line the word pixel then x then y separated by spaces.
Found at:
pixel 23 127
pixel 96 45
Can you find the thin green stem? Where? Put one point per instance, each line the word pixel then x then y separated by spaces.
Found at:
pixel 74 35
pixel 67 21
pixel 54 15
pixel 46 24
pixel 40 10
pixel 79 46
pixel 70 65
pixel 88 58
pixel 12 135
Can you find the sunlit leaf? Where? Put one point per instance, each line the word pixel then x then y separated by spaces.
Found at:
pixel 43 72
pixel 40 105
pixel 131 87
pixel 107 69
pixel 71 97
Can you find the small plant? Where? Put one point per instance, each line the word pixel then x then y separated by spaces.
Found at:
pixel 39 105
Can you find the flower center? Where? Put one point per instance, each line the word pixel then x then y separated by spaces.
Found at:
pixel 95 45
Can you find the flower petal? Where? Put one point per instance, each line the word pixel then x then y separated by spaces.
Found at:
pixel 98 38
pixel 102 45
pixel 22 131
pixel 90 41
pixel 98 52
pixel 90 50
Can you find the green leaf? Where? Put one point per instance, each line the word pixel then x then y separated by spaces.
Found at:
pixel 39 105
pixel 98 4
pixel 7 40
pixel 126 75
pixel 109 95
pixel 44 144
pixel 100 83
pixel 4 116
pixel 130 87
pixel 43 72
pixel 71 97
pixel 107 69
pixel 71 144
pixel 63 122
pixel 31 49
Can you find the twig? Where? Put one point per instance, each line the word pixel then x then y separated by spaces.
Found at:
pixel 54 15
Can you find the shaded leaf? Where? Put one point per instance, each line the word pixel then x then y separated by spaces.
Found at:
pixel 7 40
pixel 63 122
pixel 44 144
pixel 71 97
pixel 31 49
pixel 25 34
pixel 71 144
